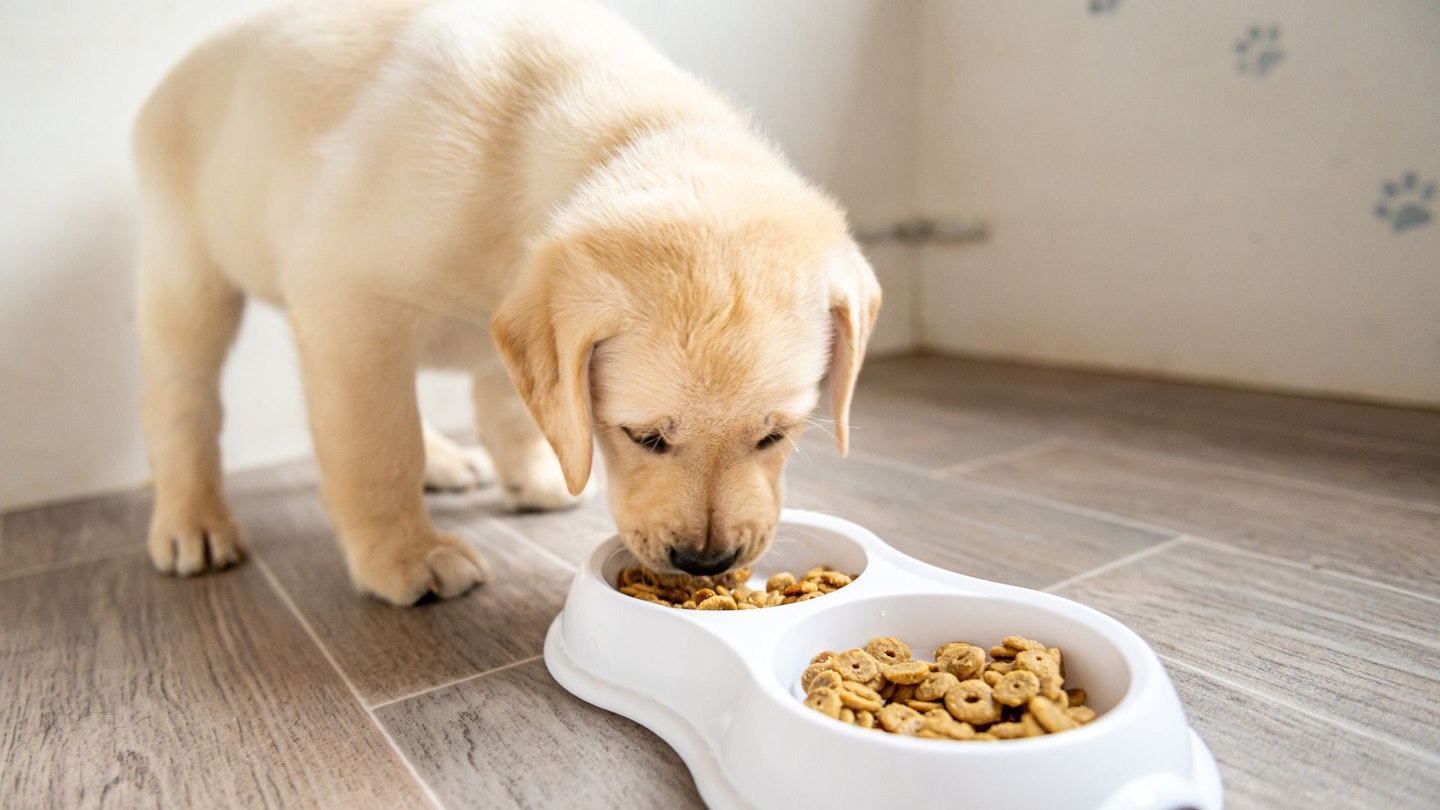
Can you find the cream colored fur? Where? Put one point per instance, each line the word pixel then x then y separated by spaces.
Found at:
pixel 417 184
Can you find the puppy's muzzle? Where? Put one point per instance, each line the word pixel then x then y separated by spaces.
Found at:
pixel 701 563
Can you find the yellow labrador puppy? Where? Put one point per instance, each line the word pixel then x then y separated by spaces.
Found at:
pixel 528 192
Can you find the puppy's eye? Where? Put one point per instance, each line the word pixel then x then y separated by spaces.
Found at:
pixel 770 440
pixel 654 442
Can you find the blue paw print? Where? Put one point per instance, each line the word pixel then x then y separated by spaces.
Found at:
pixel 1259 50
pixel 1405 203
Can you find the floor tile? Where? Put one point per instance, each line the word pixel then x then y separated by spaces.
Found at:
pixel 123 688
pixel 515 738
pixel 1361 654
pixel 957 527
pixel 389 652
pixel 75 530
pixel 1391 544
pixel 1274 756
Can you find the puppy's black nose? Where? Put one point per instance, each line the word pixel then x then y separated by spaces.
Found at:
pixel 700 564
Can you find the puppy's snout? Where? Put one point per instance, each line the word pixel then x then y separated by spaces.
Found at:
pixel 702 563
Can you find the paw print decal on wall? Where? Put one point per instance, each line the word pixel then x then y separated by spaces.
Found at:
pixel 1103 6
pixel 1259 50
pixel 1405 203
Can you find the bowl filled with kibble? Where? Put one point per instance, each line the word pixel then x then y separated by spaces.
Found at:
pixel 837 669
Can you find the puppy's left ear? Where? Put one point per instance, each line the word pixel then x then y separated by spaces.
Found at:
pixel 546 330
pixel 854 306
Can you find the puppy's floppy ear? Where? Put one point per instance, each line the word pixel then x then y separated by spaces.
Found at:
pixel 545 330
pixel 854 306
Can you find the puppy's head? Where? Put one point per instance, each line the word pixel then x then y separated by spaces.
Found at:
pixel 691 349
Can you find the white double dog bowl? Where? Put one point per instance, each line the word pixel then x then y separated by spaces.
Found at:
pixel 722 687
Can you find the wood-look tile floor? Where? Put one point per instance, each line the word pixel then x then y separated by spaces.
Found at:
pixel 1281 554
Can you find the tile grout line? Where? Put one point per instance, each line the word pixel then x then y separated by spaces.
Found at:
pixel 1310 569
pixel 1066 506
pixel 473 676
pixel 354 693
pixel 996 458
pixel 1118 562
pixel 1331 721
pixel 1270 478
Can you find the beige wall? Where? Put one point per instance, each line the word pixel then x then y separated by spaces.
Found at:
pixel 831 79
pixel 1154 208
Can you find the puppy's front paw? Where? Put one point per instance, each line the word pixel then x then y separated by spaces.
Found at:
pixel 189 546
pixel 539 486
pixel 405 573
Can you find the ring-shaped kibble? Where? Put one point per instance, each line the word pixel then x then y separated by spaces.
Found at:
pixel 935 685
pixel 964 661
pixel 1016 688
pixel 860 697
pixel 888 650
pixel 972 702
pixel 891 717
pixel 811 672
pixel 1039 662
pixel 829 679
pixel 825 701
pixel 856 665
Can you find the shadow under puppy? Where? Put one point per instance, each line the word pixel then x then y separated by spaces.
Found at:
pixel 527 192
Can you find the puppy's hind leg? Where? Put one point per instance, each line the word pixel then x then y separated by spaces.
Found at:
pixel 187 316
pixel 452 468
pixel 525 465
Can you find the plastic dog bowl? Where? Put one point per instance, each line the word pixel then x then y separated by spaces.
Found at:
pixel 722 687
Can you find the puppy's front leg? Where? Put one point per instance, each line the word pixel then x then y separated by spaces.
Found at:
pixel 359 365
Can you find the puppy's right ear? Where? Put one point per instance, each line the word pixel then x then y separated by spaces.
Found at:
pixel 546 330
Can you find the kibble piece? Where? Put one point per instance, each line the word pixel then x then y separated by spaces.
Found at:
pixel 856 665
pixel 812 672
pixel 829 679
pixel 865 719
pixel 888 650
pixel 935 685
pixel 939 722
pixel 1031 726
pixel 992 677
pixel 972 702
pixel 891 717
pixel 1081 714
pixel 1077 696
pixel 825 701
pixel 1050 716
pixel 910 672
pixel 1007 731
pixel 847 714
pixel 780 581
pixel 1016 688
pixel 1051 687
pixel 924 706
pixel 1038 662
pixel 964 661
pixel 717 602
pixel 860 697
pixel 1019 643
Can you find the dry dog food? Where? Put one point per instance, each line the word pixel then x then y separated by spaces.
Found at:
pixel 728 591
pixel 1017 691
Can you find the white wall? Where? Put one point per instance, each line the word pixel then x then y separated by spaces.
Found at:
pixel 830 78
pixel 1156 209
